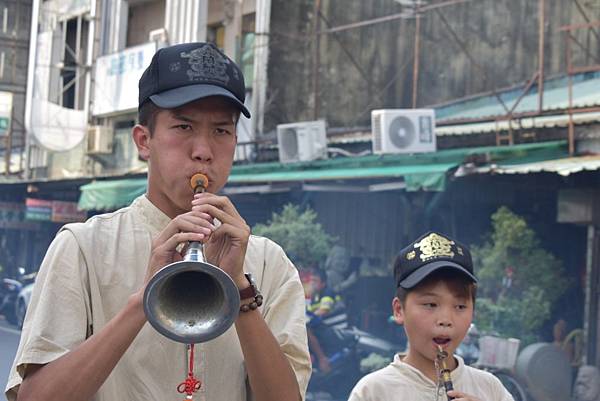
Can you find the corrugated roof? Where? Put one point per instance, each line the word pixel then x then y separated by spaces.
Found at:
pixel 564 167
pixel 560 120
pixel 586 93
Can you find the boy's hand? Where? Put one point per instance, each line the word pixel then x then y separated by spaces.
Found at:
pixel 459 396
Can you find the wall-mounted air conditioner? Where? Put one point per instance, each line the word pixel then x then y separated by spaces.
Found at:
pixel 99 140
pixel 403 130
pixel 302 141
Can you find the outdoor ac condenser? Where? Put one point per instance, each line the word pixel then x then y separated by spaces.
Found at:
pixel 403 130
pixel 99 140
pixel 302 141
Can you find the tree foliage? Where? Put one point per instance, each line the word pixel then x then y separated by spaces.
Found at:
pixel 519 281
pixel 299 234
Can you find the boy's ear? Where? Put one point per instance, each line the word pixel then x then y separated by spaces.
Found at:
pixel 398 310
pixel 141 137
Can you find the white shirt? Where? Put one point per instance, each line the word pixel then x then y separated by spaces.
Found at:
pixel 89 272
pixel 400 381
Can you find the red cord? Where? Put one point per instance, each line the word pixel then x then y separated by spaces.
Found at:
pixel 190 385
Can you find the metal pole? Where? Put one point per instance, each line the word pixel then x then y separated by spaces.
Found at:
pixel 9 137
pixel 591 300
pixel 415 85
pixel 541 56
pixel 35 13
pixel 571 129
pixel 316 58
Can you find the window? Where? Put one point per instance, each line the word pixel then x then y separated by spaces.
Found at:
pixel 216 34
pixel 144 17
pixel 72 67
pixel 246 54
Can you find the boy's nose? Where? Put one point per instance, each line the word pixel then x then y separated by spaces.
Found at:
pixel 444 322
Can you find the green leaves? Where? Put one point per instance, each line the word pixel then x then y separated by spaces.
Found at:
pixel 299 234
pixel 519 281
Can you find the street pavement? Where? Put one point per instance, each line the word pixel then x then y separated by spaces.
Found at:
pixel 9 341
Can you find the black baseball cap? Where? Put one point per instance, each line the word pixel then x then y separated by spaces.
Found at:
pixel 428 253
pixel 186 72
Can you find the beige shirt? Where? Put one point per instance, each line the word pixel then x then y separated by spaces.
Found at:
pixel 91 269
pixel 400 381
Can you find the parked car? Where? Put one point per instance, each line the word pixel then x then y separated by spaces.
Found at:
pixel 22 303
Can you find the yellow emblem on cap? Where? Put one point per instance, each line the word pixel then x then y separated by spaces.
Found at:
pixel 411 255
pixel 434 246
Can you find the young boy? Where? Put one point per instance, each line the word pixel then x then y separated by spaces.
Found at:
pixel 435 297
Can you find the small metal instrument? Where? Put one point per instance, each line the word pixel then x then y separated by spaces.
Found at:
pixel 444 372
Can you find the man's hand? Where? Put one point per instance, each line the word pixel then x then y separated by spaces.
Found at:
pixel 190 226
pixel 226 246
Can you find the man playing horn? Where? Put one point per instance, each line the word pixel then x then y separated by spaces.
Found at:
pixel 85 336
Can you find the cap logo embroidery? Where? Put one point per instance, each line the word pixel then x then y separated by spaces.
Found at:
pixel 411 255
pixel 434 246
pixel 206 63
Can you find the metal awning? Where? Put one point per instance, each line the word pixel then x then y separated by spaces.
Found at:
pixel 560 120
pixel 426 171
pixel 110 194
pixel 564 167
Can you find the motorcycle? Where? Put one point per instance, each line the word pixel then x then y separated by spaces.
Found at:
pixel 471 353
pixel 355 353
pixel 9 291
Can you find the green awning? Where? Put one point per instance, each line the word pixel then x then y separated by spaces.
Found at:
pixel 110 194
pixel 427 171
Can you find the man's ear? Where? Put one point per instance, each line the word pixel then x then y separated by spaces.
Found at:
pixel 141 137
pixel 398 310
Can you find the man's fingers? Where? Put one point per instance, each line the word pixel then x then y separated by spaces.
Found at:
pixel 231 231
pixel 173 242
pixel 220 202
pixel 221 215
pixel 189 222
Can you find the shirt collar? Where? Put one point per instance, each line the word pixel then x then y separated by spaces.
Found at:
pixel 155 218
pixel 416 374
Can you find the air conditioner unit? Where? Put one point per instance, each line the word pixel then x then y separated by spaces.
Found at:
pixel 302 141
pixel 403 130
pixel 99 140
pixel 159 36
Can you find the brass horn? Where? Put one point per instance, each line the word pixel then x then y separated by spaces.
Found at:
pixel 191 301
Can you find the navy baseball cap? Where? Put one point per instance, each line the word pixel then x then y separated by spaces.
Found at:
pixel 428 253
pixel 183 73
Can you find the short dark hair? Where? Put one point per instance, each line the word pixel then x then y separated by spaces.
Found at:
pixel 460 284
pixel 147 115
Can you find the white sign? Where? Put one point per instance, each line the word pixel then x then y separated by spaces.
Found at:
pixel 57 128
pixel 116 79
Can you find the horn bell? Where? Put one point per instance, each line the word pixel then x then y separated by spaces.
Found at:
pixel 191 301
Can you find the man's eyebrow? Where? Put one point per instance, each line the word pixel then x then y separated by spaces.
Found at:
pixel 182 117
pixel 427 294
pixel 224 122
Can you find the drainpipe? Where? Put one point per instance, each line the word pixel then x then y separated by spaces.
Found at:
pixel 89 60
pixel 261 58
pixel 35 15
